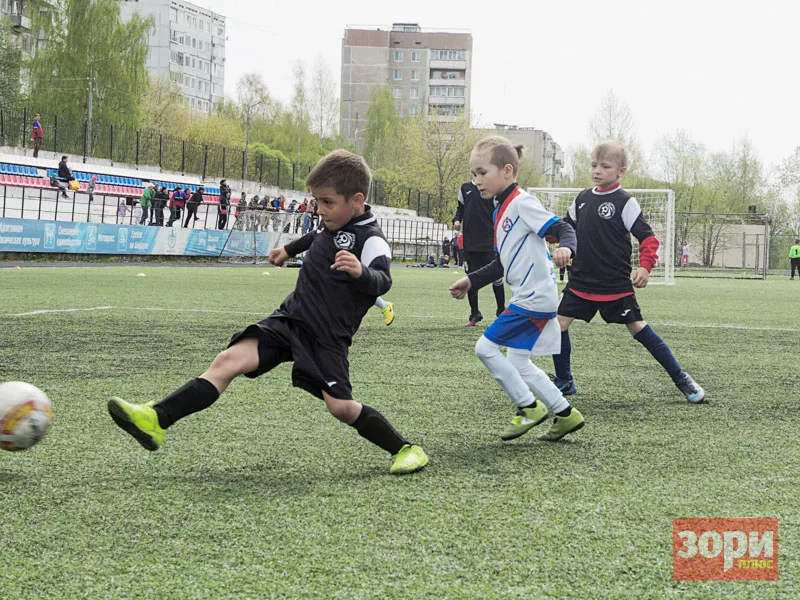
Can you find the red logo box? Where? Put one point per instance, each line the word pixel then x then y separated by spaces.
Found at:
pixel 725 549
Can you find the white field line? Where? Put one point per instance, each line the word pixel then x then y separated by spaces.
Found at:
pixel 404 316
pixel 56 310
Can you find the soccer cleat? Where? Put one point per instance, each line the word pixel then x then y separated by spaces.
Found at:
pixel 566 386
pixel 474 320
pixel 408 460
pixel 693 392
pixel 525 420
pixel 561 426
pixel 388 313
pixel 140 420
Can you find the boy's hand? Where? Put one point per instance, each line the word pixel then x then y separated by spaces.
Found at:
pixel 277 256
pixel 460 288
pixel 348 263
pixel 641 277
pixel 561 257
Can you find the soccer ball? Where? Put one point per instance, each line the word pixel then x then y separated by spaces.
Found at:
pixel 25 415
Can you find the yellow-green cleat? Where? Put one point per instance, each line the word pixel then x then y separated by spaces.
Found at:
pixel 561 426
pixel 140 420
pixel 408 460
pixel 525 420
pixel 388 313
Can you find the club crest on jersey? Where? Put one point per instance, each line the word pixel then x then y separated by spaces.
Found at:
pixel 606 210
pixel 506 225
pixel 345 240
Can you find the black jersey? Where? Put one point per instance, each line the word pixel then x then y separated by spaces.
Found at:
pixel 477 219
pixel 331 303
pixel 604 222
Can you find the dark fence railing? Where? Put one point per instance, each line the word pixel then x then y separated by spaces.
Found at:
pixel 208 161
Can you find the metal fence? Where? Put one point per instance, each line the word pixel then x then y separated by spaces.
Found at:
pixel 411 239
pixel 152 148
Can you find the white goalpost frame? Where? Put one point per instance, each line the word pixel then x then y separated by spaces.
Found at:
pixel 666 262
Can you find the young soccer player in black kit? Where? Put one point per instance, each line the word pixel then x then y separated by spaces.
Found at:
pixel 475 217
pixel 345 269
pixel 604 218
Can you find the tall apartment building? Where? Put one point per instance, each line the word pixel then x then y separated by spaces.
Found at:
pixel 429 73
pixel 187 46
pixel 18 14
pixel 539 146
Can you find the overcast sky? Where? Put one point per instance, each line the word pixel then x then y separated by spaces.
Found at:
pixel 719 69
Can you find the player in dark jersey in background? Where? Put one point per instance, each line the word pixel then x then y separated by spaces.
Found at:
pixel 475 219
pixel 604 217
pixel 345 269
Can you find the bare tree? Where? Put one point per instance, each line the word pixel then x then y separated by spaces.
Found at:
pixel 324 99
pixel 253 102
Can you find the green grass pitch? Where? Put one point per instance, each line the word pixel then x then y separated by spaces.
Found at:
pixel 265 495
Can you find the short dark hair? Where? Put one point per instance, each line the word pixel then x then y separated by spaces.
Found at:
pixel 65 157
pixel 345 172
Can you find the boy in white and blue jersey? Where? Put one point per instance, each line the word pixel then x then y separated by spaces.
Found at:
pixel 528 325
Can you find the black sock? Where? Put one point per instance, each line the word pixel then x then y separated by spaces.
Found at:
pixel 564 413
pixel 373 426
pixel 532 405
pixel 196 395
pixel 500 296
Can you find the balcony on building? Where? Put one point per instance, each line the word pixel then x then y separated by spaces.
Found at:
pixel 20 22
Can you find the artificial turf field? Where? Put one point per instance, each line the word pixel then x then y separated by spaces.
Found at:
pixel 265 495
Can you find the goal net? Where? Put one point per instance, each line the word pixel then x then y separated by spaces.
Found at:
pixel 658 209
pixel 256 232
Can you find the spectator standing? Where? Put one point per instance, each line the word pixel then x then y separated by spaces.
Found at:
pixel 241 208
pixel 224 204
pixel 446 246
pixel 90 188
pixel 159 204
pixel 37 134
pixel 147 202
pixel 252 214
pixel 176 205
pixel 122 210
pixel 193 204
pixel 308 216
pixel 685 255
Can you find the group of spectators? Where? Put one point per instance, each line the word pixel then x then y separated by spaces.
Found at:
pixel 259 213
pixel 156 198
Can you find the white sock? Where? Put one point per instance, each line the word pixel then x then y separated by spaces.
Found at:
pixel 504 372
pixel 381 303
pixel 537 380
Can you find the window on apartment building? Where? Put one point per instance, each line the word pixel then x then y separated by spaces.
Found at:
pixel 220 31
pixel 398 74
pixel 194 42
pixel 398 92
pixel 448 55
pixel 194 63
pixel 414 75
pixel 414 93
pixel 415 56
pixel 414 111
pixel 398 56
pixel 173 14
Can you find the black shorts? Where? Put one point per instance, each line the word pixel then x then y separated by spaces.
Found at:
pixel 478 260
pixel 625 310
pixel 318 366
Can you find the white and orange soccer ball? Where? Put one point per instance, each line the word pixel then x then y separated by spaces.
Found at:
pixel 25 415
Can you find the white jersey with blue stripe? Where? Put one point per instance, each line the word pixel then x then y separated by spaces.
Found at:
pixel 519 229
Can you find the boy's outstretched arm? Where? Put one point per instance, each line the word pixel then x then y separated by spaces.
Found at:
pixel 563 233
pixel 278 256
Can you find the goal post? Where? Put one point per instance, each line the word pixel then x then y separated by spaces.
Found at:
pixel 658 209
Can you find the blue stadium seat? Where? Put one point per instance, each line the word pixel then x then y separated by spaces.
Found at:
pixel 3 168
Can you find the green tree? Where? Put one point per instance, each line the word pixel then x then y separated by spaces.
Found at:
pixel 88 48
pixel 10 64
pixel 382 129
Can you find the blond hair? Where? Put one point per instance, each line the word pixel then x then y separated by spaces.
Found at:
pixel 345 172
pixel 611 149
pixel 503 152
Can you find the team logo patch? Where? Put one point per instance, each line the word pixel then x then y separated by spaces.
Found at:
pixel 606 210
pixel 507 225
pixel 345 240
